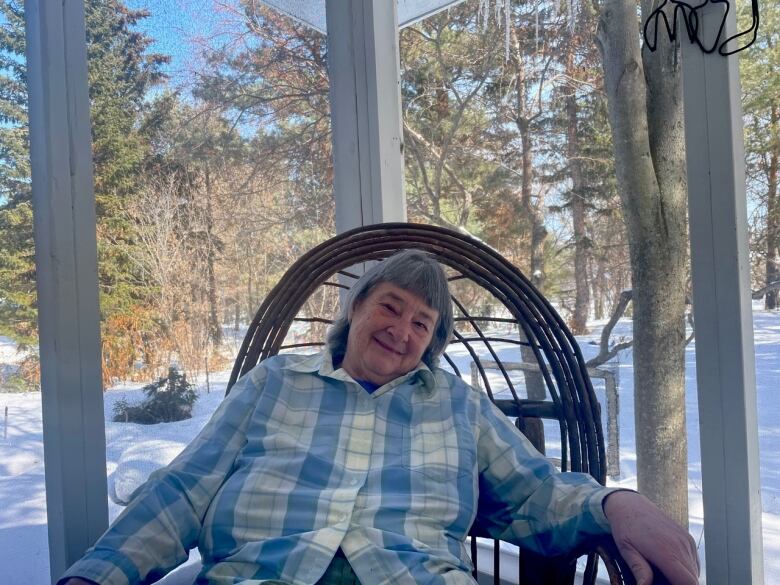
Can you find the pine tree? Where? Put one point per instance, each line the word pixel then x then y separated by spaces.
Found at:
pixel 17 262
pixel 446 63
pixel 120 75
pixel 579 107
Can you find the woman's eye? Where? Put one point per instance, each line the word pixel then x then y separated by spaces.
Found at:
pixel 390 308
pixel 422 326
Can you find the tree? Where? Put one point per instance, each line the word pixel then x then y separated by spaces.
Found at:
pixel 645 110
pixel 17 263
pixel 446 65
pixel 480 156
pixel 120 74
pixel 183 218
pixel 270 80
pixel 581 107
pixel 760 76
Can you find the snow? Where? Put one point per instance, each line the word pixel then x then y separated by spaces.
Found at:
pixel 134 450
pixel 10 358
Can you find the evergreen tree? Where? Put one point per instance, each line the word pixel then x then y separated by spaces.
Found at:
pixel 274 85
pixel 446 63
pixel 270 80
pixel 17 262
pixel 120 75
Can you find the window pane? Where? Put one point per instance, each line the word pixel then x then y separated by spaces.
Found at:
pixel 507 137
pixel 759 66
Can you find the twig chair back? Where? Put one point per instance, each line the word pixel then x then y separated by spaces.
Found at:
pixel 551 398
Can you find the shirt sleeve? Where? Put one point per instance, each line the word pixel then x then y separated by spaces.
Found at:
pixel 154 533
pixel 524 499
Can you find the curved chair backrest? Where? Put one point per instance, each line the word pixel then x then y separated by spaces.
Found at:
pixel 547 381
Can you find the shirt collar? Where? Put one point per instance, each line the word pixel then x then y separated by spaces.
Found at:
pixel 322 364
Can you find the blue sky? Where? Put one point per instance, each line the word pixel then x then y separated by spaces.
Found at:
pixel 179 27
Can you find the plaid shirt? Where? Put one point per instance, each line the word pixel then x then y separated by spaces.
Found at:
pixel 300 460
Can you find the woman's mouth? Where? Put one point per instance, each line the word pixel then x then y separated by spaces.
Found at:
pixel 387 347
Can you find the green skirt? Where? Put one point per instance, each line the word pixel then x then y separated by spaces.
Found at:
pixel 339 572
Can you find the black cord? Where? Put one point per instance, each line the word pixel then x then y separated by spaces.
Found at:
pixel 690 16
pixel 753 29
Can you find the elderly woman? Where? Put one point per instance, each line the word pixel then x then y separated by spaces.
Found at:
pixel 368 464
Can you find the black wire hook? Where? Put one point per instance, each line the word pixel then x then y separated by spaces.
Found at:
pixel 690 16
pixel 753 29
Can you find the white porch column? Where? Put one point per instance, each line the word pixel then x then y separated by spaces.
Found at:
pixel 725 363
pixel 363 64
pixel 66 264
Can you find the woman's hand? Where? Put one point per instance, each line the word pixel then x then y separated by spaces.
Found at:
pixel 647 538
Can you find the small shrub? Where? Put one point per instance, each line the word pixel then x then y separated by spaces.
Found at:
pixel 167 400
pixel 29 370
pixel 16 383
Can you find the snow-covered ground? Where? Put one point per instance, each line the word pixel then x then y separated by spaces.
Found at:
pixel 132 450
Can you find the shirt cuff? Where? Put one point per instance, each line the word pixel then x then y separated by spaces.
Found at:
pixel 599 514
pixel 99 570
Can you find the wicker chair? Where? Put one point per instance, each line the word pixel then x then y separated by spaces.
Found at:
pixel 550 396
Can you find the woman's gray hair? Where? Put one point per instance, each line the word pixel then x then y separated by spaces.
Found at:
pixel 410 270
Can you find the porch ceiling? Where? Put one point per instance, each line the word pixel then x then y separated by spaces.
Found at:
pixel 312 12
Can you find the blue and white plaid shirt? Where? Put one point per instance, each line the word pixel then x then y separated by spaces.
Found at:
pixel 300 460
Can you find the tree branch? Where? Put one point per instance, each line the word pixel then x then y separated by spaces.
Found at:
pixel 768 288
pixel 606 352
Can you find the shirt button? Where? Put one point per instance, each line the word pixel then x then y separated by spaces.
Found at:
pixel 353 481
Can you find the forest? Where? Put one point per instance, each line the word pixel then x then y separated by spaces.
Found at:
pixel 208 185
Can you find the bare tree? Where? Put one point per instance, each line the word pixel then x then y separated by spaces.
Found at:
pixel 645 110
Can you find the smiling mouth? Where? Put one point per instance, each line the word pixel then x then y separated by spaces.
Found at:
pixel 387 347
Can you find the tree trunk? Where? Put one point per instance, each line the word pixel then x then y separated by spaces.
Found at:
pixel 535 386
pixel 215 330
pixel 579 323
pixel 772 220
pixel 647 131
pixel 523 115
pixel 535 218
pixel 250 303
pixel 599 289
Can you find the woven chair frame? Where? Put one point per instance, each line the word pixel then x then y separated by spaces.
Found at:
pixel 572 402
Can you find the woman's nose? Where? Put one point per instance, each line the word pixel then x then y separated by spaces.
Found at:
pixel 400 330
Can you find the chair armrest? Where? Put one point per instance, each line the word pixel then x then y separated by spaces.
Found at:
pixel 605 548
pixel 618 571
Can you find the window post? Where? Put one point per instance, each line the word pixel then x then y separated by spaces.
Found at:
pixel 725 364
pixel 363 63
pixel 66 268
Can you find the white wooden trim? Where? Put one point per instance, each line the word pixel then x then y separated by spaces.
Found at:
pixel 66 264
pixel 363 63
pixel 725 365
